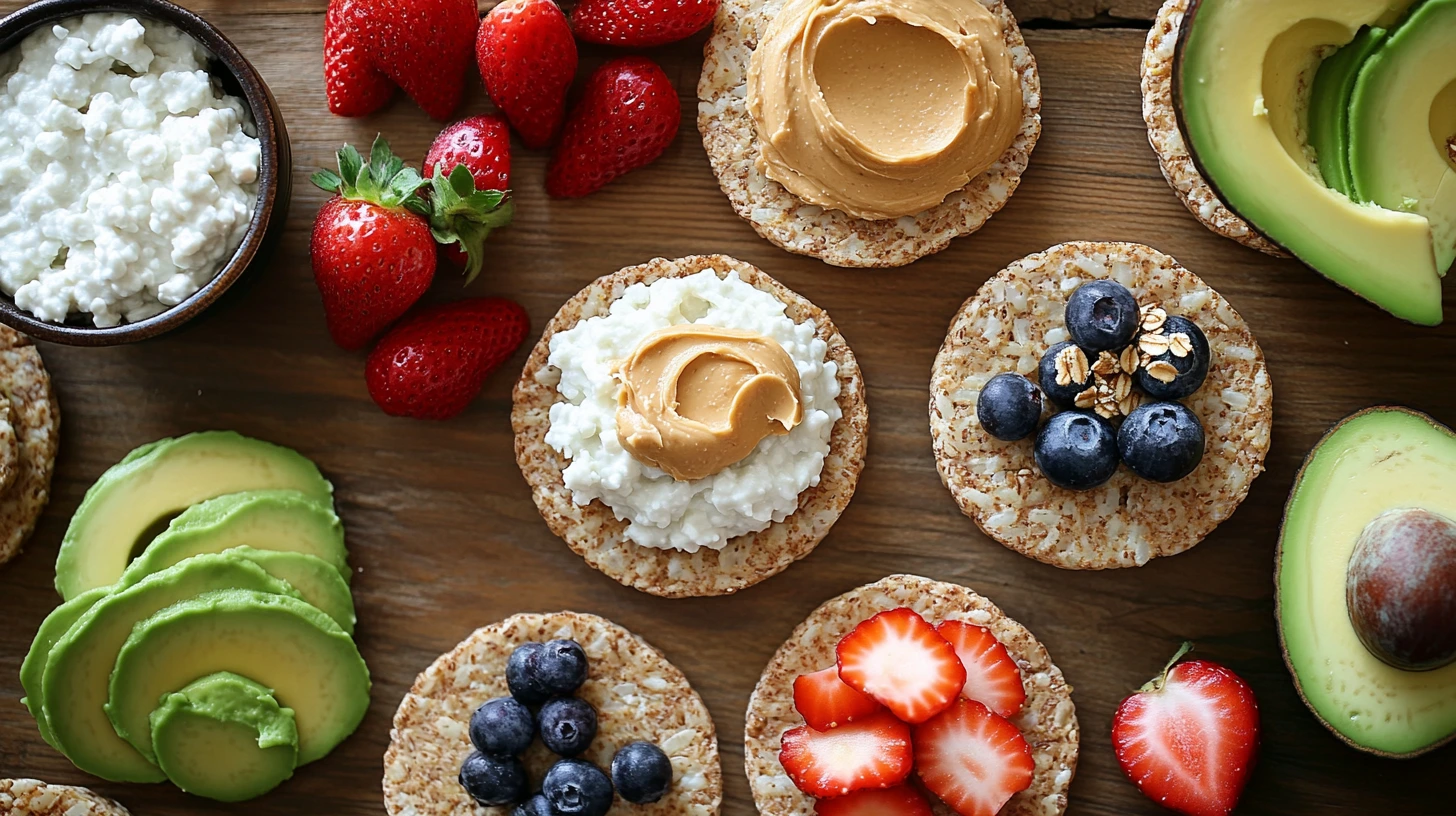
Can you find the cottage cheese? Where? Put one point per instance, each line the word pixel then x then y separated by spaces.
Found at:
pixel 126 179
pixel 661 512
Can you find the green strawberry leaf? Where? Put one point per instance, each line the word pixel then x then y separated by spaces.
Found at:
pixel 327 180
pixel 465 216
pixel 385 180
pixel 350 163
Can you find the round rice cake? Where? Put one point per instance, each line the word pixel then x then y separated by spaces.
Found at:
pixel 32 797
pixel 1048 721
pixel 596 534
pixel 30 430
pixel 1007 327
pixel 833 236
pixel 638 695
pixel 1167 139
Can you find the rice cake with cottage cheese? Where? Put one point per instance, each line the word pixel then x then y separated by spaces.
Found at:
pixel 1048 720
pixel 638 695
pixel 1167 139
pixel 594 532
pixel 830 235
pixel 1009 324
pixel 32 797
pixel 30 431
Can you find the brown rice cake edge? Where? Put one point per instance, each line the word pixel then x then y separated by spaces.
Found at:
pixel 30 429
pixel 32 797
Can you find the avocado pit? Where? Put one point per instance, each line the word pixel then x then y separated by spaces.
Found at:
pixel 1401 589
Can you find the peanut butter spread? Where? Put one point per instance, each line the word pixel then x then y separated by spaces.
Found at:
pixel 882 108
pixel 696 399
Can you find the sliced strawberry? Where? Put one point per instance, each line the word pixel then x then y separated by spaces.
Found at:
pixel 899 801
pixel 872 753
pixel 899 659
pixel 991 674
pixel 1188 738
pixel 353 85
pixel 972 758
pixel 825 701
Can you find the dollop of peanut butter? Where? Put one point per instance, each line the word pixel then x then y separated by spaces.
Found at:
pixel 696 399
pixel 882 108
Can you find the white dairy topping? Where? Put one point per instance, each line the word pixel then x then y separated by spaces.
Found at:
pixel 663 513
pixel 126 180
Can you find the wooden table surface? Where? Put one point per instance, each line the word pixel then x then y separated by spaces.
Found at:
pixel 443 530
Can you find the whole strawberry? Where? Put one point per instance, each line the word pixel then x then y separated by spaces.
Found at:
pixel 354 86
pixel 641 23
pixel 627 116
pixel 422 45
pixel 433 365
pixel 527 59
pixel 482 144
pixel 372 250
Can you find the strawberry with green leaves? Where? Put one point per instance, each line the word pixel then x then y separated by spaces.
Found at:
pixel 483 145
pixel 462 217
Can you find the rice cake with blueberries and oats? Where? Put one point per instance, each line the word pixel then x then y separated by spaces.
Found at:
pixel 1047 720
pixel 616 504
pixel 637 694
pixel 1007 327
pixel 731 137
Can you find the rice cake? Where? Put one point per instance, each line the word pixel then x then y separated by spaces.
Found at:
pixel 638 695
pixel 1167 139
pixel 1010 323
pixel 830 235
pixel 30 429
pixel 32 797
pixel 1048 721
pixel 595 533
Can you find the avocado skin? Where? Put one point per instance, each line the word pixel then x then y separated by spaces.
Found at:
pixel 1329 108
pixel 220 703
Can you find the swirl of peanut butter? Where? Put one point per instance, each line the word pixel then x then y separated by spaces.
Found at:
pixel 696 399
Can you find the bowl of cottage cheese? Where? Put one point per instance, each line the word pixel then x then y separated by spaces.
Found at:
pixel 144 166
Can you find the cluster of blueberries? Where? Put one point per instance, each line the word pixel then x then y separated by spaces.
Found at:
pixel 544 676
pixel 1079 449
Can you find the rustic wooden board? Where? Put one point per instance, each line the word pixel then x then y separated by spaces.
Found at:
pixel 445 535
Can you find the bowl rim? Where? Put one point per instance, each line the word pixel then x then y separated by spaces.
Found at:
pixel 274 166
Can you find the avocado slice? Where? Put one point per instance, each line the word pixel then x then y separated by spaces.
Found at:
pixel 52 629
pixel 262 519
pixel 1329 108
pixel 317 583
pixel 1241 68
pixel 167 477
pixel 1376 461
pixel 278 641
pixel 78 668
pixel 224 737
pixel 1395 159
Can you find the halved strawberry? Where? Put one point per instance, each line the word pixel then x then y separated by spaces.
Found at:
pixel 991 674
pixel 972 758
pixel 825 701
pixel 899 801
pixel 872 753
pixel 900 660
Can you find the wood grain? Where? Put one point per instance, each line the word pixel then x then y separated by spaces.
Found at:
pixel 445 537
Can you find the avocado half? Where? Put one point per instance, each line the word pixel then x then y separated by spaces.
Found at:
pixel 1242 73
pixel 1375 461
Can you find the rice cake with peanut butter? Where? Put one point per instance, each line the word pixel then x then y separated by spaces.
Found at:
pixel 32 797
pixel 1167 139
pixel 638 695
pixel 1006 328
pixel 30 429
pixel 1048 720
pixel 833 235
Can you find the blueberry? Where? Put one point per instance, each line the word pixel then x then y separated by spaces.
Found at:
pixel 1009 407
pixel 1064 396
pixel 537 672
pixel 1192 368
pixel 568 725
pixel 492 780
pixel 1077 450
pixel 577 788
pixel 503 726
pixel 537 805
pixel 1102 315
pixel 1161 441
pixel 641 772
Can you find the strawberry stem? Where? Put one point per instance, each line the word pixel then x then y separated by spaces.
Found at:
pixel 1156 684
pixel 383 180
pixel 464 215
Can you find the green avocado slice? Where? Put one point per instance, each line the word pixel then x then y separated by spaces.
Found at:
pixel 1329 108
pixel 79 667
pixel 32 670
pixel 317 583
pixel 281 642
pixel 224 737
pixel 168 477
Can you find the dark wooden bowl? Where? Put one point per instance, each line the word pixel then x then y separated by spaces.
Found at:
pixel 275 186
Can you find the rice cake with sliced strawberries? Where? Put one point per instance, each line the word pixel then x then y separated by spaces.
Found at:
pixel 1007 327
pixel 733 147
pixel 30 432
pixel 1047 720
pixel 32 797
pixel 638 695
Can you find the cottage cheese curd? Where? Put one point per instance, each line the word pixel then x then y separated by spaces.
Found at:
pixel 126 179
pixel 661 512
